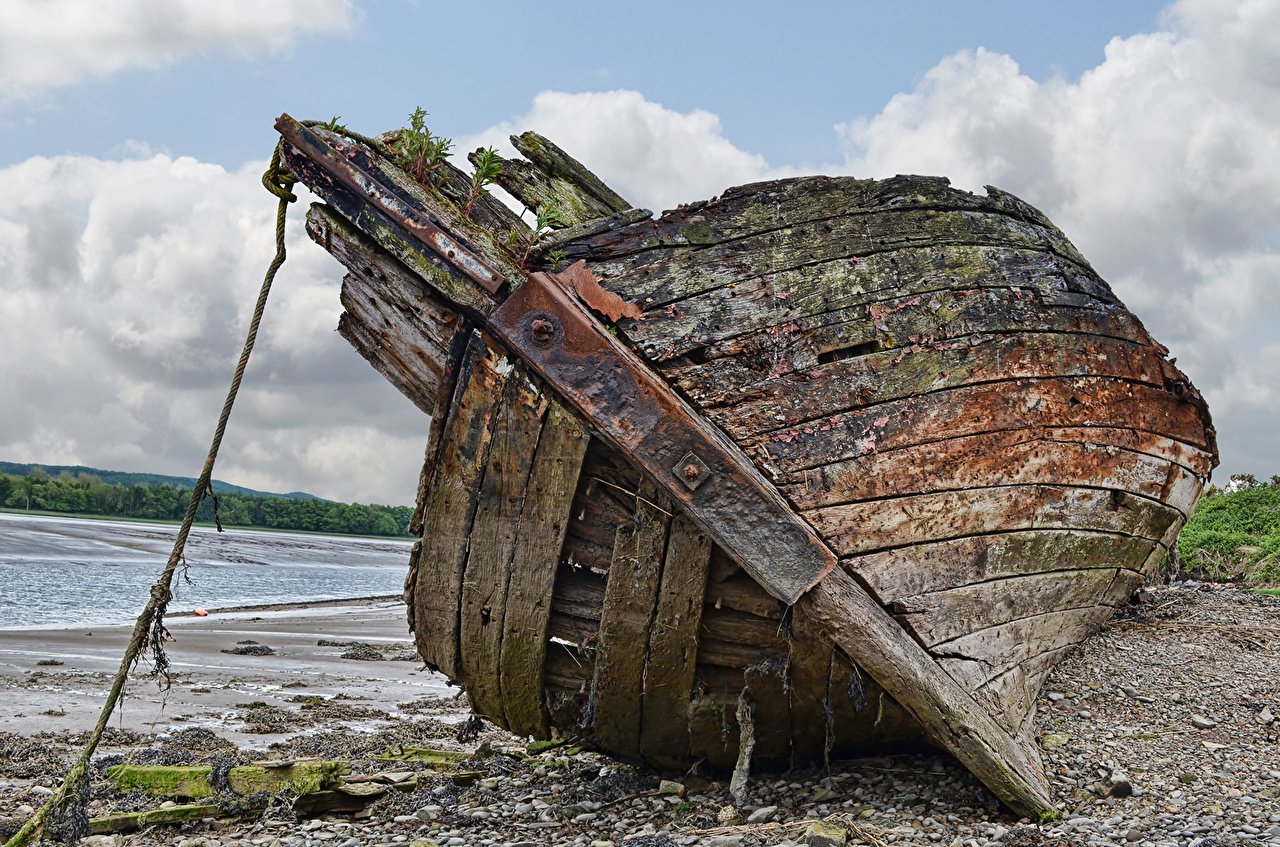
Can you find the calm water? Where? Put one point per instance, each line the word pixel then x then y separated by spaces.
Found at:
pixel 56 571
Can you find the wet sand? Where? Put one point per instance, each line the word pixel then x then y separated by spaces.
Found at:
pixel 209 687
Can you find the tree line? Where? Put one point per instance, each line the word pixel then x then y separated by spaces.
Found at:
pixel 85 494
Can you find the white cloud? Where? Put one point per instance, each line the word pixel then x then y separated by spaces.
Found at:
pixel 125 293
pixel 49 43
pixel 1159 164
pixel 653 156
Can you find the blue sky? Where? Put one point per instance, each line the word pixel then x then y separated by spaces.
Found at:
pixel 132 135
pixel 779 77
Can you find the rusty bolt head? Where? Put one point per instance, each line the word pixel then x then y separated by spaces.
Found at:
pixel 691 472
pixel 543 330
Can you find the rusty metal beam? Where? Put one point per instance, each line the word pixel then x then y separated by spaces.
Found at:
pixel 692 461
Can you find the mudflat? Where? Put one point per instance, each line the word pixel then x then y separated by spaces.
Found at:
pixel 56 679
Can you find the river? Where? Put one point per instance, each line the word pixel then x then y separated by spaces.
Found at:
pixel 76 571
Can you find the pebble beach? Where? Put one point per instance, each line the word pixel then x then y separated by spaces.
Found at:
pixel 1161 730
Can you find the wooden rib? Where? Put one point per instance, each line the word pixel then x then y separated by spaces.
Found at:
pixel 940 565
pixel 943 615
pixel 451 505
pixel 546 515
pixel 493 541
pixel 1104 458
pixel 857 528
pixel 673 647
pixel 630 596
pixel 990 407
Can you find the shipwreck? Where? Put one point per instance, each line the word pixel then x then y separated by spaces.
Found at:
pixel 819 467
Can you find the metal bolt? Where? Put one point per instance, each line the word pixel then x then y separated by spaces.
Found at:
pixel 543 330
pixel 692 472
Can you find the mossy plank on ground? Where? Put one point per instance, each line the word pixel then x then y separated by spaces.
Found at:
pixel 172 782
pixel 128 821
pixel 301 777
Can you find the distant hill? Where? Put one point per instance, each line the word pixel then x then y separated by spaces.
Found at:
pixel 129 479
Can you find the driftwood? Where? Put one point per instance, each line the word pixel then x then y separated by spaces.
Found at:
pixel 850 462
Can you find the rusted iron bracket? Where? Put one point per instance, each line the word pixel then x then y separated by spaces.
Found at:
pixel 378 195
pixel 692 461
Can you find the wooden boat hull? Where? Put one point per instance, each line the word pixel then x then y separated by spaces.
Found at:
pixel 938 384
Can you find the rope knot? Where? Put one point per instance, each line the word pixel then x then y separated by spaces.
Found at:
pixel 278 180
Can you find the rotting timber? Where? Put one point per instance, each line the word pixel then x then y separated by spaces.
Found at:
pixel 855 461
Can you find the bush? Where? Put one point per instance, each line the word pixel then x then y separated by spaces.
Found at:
pixel 1234 536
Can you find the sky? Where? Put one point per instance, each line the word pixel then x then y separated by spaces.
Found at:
pixel 134 231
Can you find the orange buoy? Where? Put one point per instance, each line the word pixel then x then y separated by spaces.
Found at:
pixel 202 612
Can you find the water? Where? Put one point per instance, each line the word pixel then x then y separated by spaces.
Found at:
pixel 71 571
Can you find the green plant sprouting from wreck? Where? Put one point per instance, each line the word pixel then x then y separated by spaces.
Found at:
pixel 421 153
pixel 549 218
pixel 488 165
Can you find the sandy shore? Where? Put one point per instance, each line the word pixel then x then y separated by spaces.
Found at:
pixel 207 683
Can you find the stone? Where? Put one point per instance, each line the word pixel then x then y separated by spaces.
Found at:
pixel 725 841
pixel 764 814
pixel 1265 717
pixel 1201 722
pixel 1054 740
pixel 671 787
pixel 1118 784
pixel 825 834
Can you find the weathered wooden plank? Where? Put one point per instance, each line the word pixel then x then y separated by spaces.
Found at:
pixel 493 539
pixel 975 409
pixel 809 669
pixel 663 276
pixel 944 615
pixel 741 593
pixel 1123 459
pixel 690 461
pixel 402 337
pixel 451 284
pixel 978 657
pixel 810 203
pixel 939 565
pixel 857 528
pixel 709 368
pixel 451 505
pixel 543 523
pixel 475 250
pixel 404 331
pixel 766 686
pixel 549 159
pixel 951 716
pixel 673 646
pixel 631 595
pixel 461 261
pixel 868 380
pixel 830 305
pixel 535 189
